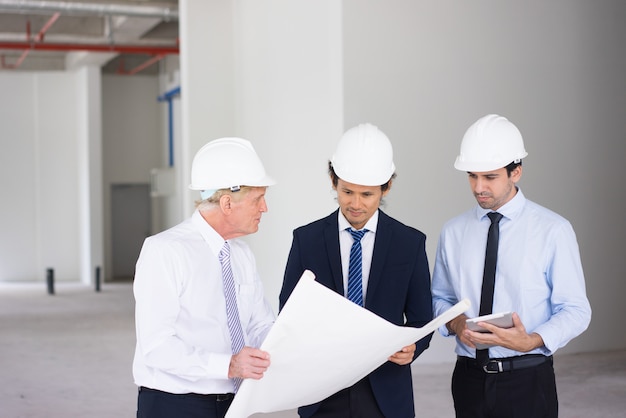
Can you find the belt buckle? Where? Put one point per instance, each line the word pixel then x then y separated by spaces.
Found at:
pixel 493 366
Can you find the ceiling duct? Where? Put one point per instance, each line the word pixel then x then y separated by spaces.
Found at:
pixel 89 9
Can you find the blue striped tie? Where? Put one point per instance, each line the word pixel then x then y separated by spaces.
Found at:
pixel 232 313
pixel 355 268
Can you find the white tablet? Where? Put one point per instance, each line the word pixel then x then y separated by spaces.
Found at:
pixel 502 320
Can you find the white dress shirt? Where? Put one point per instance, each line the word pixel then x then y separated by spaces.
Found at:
pixel 538 274
pixel 183 342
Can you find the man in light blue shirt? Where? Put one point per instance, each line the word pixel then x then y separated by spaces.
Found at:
pixel 539 278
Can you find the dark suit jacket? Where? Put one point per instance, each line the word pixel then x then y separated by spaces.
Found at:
pixel 398 288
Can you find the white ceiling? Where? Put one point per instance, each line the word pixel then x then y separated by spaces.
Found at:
pixel 122 36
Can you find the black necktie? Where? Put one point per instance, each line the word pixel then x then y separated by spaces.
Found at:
pixel 489 275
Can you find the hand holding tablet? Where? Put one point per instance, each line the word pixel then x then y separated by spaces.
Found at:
pixel 502 320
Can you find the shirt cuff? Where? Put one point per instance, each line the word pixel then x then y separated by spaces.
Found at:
pixel 444 331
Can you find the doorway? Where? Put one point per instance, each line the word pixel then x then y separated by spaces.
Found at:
pixel 130 225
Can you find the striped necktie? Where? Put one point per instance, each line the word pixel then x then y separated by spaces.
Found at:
pixel 355 268
pixel 232 313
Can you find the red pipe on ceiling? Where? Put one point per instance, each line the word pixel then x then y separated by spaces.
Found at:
pixel 47 26
pixel 17 63
pixel 122 49
pixel 38 38
pixel 122 70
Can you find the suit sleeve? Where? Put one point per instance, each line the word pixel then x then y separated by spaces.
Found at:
pixel 293 272
pixel 419 301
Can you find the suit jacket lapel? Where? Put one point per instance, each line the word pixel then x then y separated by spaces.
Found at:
pixel 382 244
pixel 331 236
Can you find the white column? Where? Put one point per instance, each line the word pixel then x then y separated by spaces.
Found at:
pixel 89 144
pixel 289 91
pixel 206 62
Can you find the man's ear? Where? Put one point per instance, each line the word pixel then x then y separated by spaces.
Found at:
pixel 516 174
pixel 388 188
pixel 225 203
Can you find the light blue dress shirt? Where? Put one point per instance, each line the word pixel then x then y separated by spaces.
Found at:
pixel 539 274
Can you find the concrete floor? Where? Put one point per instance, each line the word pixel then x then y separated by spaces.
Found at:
pixel 70 354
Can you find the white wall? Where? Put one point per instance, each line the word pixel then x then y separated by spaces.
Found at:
pixel 39 177
pixel 289 104
pixel 132 137
pixel 424 71
pixel 18 220
pixel 59 161
pixel 207 82
pixel 51 172
pixel 56 156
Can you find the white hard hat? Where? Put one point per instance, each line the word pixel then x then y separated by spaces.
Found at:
pixel 227 163
pixel 492 142
pixel 364 156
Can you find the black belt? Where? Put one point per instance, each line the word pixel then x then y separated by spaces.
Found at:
pixel 219 397
pixel 509 364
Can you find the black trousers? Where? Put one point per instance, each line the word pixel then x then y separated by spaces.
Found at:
pixel 521 393
pixel 152 403
pixel 357 401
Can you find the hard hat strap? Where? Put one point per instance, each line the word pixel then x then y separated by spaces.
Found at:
pixel 205 194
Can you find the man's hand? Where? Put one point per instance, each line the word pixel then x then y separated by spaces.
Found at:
pixel 458 326
pixel 515 338
pixel 249 363
pixel 404 356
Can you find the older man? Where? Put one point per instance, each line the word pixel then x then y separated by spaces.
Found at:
pixel 200 309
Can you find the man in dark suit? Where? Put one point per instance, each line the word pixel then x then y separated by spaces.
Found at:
pixel 387 273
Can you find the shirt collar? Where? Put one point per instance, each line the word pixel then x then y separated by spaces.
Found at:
pixel 370 225
pixel 509 210
pixel 209 235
